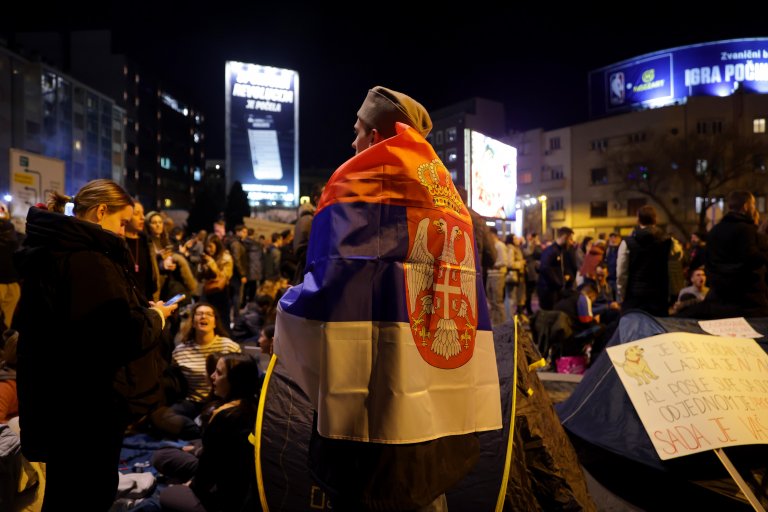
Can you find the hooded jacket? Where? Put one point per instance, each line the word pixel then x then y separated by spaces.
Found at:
pixel 78 304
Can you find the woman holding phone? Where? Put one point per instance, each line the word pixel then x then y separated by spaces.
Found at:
pixel 79 301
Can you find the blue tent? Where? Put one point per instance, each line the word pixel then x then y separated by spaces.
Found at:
pixel 543 470
pixel 612 442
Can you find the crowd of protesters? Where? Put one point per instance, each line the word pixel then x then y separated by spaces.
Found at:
pixel 183 370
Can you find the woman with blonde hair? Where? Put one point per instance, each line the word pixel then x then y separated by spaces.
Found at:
pixel 79 300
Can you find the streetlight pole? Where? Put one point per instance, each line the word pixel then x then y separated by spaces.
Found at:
pixel 543 202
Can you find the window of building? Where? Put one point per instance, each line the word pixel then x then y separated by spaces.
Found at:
pixel 760 203
pixel 525 177
pixel 758 125
pixel 635 138
pixel 600 176
pixel 451 155
pixel 634 204
pixel 165 162
pixel 717 127
pixel 701 166
pixel 450 134
pixel 439 137
pixel 599 144
pixel 554 143
pixel 701 127
pixel 550 173
pixel 555 204
pixel 702 203
pixel 598 209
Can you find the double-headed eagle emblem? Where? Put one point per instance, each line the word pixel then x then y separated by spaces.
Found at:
pixel 442 292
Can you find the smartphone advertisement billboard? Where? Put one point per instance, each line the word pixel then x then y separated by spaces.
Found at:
pixel 262 132
pixel 661 78
pixel 493 175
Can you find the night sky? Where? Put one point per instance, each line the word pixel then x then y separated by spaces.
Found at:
pixel 536 63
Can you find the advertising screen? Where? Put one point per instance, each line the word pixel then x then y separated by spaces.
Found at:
pixel 493 176
pixel 662 78
pixel 262 132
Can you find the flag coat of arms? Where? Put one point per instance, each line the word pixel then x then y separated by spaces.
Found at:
pixel 389 334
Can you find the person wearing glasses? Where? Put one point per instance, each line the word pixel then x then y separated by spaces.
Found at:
pixel 203 334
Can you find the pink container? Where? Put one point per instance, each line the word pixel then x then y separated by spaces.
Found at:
pixel 572 364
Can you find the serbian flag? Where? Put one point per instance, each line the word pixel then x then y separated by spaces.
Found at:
pixel 389 334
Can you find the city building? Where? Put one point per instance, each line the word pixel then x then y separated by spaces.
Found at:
pixel 46 112
pixel 677 129
pixel 163 135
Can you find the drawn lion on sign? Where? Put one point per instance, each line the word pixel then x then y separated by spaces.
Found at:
pixel 636 366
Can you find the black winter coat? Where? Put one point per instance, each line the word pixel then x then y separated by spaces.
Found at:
pixel 736 261
pixel 78 305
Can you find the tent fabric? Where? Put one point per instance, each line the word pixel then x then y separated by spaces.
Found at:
pixel 544 473
pixel 600 411
pixel 604 425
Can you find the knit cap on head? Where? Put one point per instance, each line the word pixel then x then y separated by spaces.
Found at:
pixel 384 107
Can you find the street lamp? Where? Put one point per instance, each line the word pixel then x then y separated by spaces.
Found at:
pixel 543 202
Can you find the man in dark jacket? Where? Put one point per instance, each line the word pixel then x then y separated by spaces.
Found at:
pixel 642 266
pixel 554 275
pixel 736 261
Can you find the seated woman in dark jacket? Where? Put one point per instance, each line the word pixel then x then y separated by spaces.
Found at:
pixel 225 477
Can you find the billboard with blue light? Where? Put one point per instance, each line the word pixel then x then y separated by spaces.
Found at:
pixel 668 76
pixel 262 132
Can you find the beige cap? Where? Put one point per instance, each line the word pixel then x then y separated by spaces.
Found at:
pixel 384 107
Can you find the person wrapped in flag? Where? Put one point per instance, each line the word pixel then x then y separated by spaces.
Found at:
pixel 389 334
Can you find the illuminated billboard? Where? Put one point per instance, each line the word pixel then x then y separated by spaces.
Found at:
pixel 492 172
pixel 262 132
pixel 665 77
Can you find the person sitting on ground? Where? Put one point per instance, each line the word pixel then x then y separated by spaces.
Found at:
pixel 267 338
pixel 247 326
pixel 589 333
pixel 9 399
pixel 693 294
pixel 203 334
pixel 224 476
pixel 605 304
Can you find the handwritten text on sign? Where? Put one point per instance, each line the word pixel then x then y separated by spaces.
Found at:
pixel 695 392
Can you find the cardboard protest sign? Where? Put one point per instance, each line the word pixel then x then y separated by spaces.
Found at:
pixel 695 392
pixel 730 327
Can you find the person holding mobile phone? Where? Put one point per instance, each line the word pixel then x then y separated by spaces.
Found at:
pixel 79 300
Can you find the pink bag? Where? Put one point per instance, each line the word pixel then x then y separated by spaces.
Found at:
pixel 571 364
